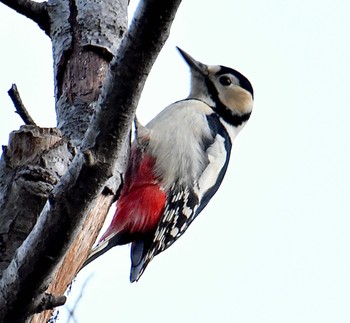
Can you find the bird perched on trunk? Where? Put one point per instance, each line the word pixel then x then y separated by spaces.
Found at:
pixel 177 163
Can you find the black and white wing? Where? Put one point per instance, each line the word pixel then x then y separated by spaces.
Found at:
pixel 185 202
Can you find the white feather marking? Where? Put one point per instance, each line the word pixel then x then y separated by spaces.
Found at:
pixel 177 197
pixel 175 137
pixel 184 226
pixel 232 131
pixel 217 155
pixel 187 212
pixel 174 232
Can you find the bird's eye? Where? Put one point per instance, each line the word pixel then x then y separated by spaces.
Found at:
pixel 225 80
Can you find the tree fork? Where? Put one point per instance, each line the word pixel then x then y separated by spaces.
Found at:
pixel 81 61
pixel 74 198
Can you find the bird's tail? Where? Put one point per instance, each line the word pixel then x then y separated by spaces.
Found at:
pixel 137 254
pixel 140 258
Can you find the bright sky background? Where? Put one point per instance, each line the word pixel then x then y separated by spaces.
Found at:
pixel 273 244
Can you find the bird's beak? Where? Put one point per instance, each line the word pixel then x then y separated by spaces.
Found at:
pixel 193 64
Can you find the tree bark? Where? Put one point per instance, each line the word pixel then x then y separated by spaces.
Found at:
pixel 31 165
pixel 65 183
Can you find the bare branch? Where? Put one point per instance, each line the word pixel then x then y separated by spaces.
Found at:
pixel 20 108
pixel 36 11
pixel 35 261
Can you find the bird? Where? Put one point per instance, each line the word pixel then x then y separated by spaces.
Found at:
pixel 177 163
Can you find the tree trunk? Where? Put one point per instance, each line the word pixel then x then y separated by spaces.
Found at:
pixel 58 184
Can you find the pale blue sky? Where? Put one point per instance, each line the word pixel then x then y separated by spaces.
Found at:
pixel 273 244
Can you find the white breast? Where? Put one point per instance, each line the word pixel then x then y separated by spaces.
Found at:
pixel 176 137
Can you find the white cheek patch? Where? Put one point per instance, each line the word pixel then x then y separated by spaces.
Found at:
pixel 236 98
pixel 217 156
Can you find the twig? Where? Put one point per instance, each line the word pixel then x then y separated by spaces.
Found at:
pixel 80 296
pixel 20 108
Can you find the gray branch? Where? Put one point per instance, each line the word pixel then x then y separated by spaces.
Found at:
pixel 35 261
pixel 20 108
pixel 33 10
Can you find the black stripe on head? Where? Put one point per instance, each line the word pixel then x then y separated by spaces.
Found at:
pixel 243 81
pixel 224 112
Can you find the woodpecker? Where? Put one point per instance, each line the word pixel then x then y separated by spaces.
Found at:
pixel 177 163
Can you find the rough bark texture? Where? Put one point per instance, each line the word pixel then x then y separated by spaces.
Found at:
pixel 76 254
pixel 85 36
pixel 95 105
pixel 31 165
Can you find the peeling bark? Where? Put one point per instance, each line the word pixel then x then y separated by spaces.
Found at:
pixel 76 254
pixel 85 36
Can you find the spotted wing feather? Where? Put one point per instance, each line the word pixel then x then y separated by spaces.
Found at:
pixel 179 212
pixel 186 202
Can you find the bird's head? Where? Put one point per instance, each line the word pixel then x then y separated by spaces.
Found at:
pixel 226 90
